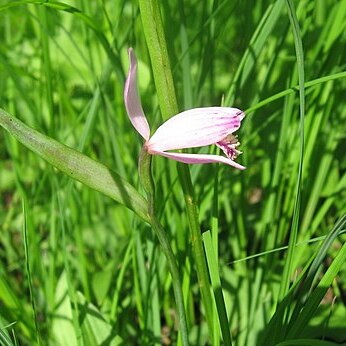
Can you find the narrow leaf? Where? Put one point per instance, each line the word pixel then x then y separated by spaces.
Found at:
pixel 317 295
pixel 217 288
pixel 78 166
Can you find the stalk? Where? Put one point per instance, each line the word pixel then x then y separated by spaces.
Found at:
pixel 149 187
pixel 156 42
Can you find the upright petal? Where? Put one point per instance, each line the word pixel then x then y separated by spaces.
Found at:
pixel 196 128
pixel 132 101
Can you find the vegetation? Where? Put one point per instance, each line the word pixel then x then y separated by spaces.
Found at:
pixel 260 252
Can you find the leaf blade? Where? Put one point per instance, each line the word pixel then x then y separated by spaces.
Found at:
pixel 77 165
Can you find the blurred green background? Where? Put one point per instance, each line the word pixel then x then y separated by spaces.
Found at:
pixel 94 274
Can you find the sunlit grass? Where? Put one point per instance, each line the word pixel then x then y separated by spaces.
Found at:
pixel 79 268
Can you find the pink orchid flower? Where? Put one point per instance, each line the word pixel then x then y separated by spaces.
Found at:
pixel 193 128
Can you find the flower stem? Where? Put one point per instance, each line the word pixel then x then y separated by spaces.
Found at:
pixel 156 42
pixel 149 187
pixel 154 34
pixel 176 282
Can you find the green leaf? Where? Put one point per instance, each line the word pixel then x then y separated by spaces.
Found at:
pixel 217 288
pixel 62 319
pixel 78 166
pixel 5 339
pixel 256 44
pixel 304 289
pixel 95 329
pixel 310 84
pixel 317 295
pixel 288 268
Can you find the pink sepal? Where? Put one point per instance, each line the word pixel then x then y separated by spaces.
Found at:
pixel 132 101
pixel 198 158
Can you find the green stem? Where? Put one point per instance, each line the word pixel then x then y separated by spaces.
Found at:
pixel 156 42
pixel 197 245
pixel 177 287
pixel 149 187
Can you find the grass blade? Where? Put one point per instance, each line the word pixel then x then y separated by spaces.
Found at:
pixel 317 295
pixel 217 288
pixel 295 223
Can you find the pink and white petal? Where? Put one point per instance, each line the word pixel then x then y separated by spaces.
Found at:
pixel 196 127
pixel 132 101
pixel 198 158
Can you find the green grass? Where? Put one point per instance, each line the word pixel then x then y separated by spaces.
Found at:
pixel 261 252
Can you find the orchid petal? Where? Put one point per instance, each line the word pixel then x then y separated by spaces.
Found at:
pixel 196 128
pixel 132 101
pixel 199 158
